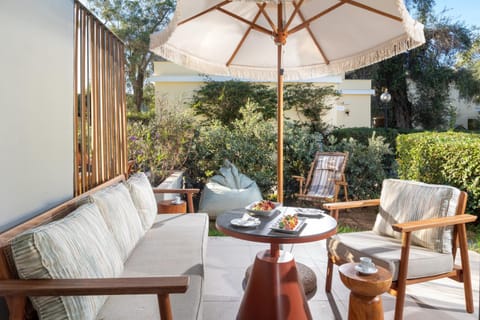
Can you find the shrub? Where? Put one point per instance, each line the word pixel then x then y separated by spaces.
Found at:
pixel 161 145
pixel 251 143
pixel 365 169
pixel 451 158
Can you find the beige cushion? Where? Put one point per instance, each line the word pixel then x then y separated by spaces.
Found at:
pixel 78 246
pixel 143 198
pixel 385 252
pixel 120 216
pixel 404 201
pixel 175 245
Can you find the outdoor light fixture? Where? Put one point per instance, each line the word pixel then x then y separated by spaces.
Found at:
pixel 385 97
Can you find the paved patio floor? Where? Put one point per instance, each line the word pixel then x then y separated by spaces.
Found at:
pixel 227 259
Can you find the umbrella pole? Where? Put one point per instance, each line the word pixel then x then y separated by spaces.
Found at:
pixel 279 124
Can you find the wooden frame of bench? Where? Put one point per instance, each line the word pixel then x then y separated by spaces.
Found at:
pixel 16 290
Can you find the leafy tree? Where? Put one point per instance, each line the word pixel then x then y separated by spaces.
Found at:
pixel 311 101
pixel 222 101
pixel 429 69
pixel 133 21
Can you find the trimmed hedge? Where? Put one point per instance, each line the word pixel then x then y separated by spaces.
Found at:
pixel 451 158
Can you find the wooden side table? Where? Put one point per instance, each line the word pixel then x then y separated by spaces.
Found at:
pixel 167 206
pixel 365 301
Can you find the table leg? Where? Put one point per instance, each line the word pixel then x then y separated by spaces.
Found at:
pixel 364 307
pixel 274 290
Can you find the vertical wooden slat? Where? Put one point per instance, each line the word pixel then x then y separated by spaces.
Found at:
pixel 75 102
pixel 99 87
pixel 94 103
pixel 82 101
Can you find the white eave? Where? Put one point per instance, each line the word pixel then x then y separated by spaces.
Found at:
pixel 354 92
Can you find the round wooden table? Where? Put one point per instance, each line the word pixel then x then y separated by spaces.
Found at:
pixel 274 290
pixel 365 290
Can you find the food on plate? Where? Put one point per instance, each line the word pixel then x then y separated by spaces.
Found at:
pixel 263 205
pixel 288 222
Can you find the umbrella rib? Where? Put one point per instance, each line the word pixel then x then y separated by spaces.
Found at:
pixel 297 9
pixel 219 5
pixel 315 17
pixel 269 20
pixel 254 26
pixel 300 14
pixel 250 27
pixel 382 13
pixel 341 3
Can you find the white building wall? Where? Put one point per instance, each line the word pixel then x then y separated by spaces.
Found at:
pixel 36 102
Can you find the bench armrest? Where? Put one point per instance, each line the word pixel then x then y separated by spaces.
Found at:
pixel 161 286
pixel 433 223
pixel 188 192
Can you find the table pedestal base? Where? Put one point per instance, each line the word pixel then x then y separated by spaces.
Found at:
pixel 274 290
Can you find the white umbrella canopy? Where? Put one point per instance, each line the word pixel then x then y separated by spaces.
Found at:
pixel 277 39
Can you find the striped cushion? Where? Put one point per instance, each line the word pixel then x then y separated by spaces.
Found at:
pixel 403 201
pixel 327 170
pixel 143 198
pixel 78 246
pixel 121 217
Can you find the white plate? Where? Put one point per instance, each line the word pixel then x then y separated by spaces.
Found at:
pixel 306 212
pixel 298 227
pixel 239 222
pixel 262 212
pixel 365 271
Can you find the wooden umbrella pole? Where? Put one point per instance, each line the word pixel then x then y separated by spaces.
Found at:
pixel 280 126
pixel 280 40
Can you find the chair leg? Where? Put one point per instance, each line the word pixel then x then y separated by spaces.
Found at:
pixel 402 276
pixel 328 280
pixel 467 279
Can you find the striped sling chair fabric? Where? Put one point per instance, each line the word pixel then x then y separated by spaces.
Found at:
pixel 325 178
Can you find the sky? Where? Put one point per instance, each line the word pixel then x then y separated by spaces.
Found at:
pixel 462 10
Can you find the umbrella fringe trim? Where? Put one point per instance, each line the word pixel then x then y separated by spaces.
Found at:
pixel 371 56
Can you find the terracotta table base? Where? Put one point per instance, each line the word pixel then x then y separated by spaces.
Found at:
pixel 365 301
pixel 276 296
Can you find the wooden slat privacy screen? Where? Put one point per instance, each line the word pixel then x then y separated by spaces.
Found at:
pixel 99 103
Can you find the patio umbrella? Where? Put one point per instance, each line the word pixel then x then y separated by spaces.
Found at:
pixel 281 39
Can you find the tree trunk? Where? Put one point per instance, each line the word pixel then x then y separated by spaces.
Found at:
pixel 138 91
pixel 402 109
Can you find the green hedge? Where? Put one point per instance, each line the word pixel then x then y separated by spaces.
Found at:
pixel 451 158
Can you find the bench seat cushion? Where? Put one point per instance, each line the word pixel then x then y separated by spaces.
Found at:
pixel 385 252
pixel 78 246
pixel 175 245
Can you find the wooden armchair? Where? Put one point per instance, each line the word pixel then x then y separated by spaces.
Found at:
pixel 325 178
pixel 416 235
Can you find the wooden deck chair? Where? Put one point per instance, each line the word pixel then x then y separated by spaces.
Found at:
pixel 416 236
pixel 325 178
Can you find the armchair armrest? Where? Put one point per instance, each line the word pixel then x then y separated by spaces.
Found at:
pixel 433 223
pixel 336 206
pixel 351 204
pixel 161 286
pixel 188 192
pixel 301 181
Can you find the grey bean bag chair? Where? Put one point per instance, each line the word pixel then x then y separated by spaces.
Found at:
pixel 228 190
